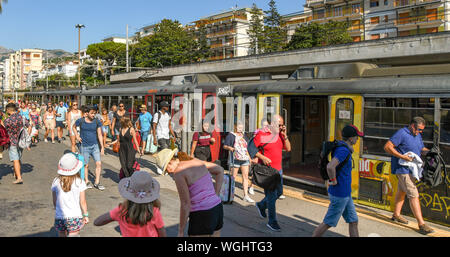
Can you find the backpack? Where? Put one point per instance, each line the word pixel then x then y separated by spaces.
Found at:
pixel 153 117
pixel 4 137
pixel 434 171
pixel 24 139
pixel 328 147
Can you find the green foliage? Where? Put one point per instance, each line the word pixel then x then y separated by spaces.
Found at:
pixel 109 51
pixel 275 36
pixel 204 50
pixel 256 30
pixel 316 34
pixel 169 45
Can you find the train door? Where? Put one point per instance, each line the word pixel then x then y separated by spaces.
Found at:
pixel 345 110
pixel 268 106
pixel 178 119
pixel 306 119
pixel 150 102
pixel 209 103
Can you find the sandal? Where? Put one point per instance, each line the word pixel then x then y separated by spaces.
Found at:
pixel 18 182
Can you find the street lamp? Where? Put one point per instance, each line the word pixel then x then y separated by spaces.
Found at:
pixel 79 27
pixel 3 82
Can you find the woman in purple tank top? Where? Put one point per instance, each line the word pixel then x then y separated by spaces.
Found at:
pixel 198 194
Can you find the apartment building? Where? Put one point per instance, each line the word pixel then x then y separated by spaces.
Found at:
pixel 23 62
pixel 5 83
pixel 294 20
pixel 340 10
pixel 226 32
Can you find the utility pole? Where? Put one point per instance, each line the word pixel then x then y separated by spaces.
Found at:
pixel 46 75
pixel 128 66
pixel 79 27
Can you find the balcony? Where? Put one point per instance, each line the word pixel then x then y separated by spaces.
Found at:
pixel 221 33
pixel 314 3
pixel 220 45
pixel 348 12
pixel 437 18
pixel 402 3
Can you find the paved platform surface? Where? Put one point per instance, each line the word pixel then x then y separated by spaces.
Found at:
pixel 26 210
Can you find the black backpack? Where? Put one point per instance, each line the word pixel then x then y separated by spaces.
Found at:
pixel 329 148
pixel 434 171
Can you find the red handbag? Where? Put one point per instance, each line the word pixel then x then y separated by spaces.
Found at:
pixel 136 167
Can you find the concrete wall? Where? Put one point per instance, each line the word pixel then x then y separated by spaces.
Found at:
pixel 431 48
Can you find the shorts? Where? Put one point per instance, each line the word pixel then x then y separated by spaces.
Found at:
pixel 105 129
pixel 60 124
pixel 406 184
pixel 203 153
pixel 163 144
pixel 340 206
pixel 144 135
pixel 15 153
pixel 50 124
pixel 69 224
pixel 88 151
pixel 239 163
pixel 206 222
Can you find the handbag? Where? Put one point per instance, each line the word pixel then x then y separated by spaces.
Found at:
pixel 116 146
pixel 265 176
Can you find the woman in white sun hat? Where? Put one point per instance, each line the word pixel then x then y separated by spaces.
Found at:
pixel 139 215
pixel 69 198
pixel 198 195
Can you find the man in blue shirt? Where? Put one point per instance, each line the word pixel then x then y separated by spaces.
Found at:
pixel 90 135
pixel 407 139
pixel 145 119
pixel 339 190
pixel 60 118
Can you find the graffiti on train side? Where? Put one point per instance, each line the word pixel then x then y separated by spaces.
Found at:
pixel 436 203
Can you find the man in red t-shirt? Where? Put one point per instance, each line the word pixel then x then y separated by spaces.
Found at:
pixel 201 142
pixel 272 144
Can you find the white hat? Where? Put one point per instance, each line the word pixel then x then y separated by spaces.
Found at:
pixel 163 158
pixel 141 187
pixel 69 165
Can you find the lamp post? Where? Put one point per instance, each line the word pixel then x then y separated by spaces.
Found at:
pixel 79 27
pixel 3 82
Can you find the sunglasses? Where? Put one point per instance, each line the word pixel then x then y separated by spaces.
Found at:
pixel 121 106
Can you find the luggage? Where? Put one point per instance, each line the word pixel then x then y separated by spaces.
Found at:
pixel 434 171
pixel 4 137
pixel 227 190
pixel 150 147
pixel 138 138
pixel 327 149
pixel 24 139
pixel 265 176
pixel 136 167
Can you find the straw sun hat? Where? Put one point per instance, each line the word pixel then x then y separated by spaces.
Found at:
pixel 163 158
pixel 69 165
pixel 139 188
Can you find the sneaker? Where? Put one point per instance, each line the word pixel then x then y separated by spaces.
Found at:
pixel 261 212
pixel 248 199
pixel 251 191
pixel 159 171
pixel 425 229
pixel 99 187
pixel 282 197
pixel 399 219
pixel 89 185
pixel 274 227
pixel 46 141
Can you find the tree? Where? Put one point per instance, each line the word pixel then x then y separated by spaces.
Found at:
pixel 256 30
pixel 275 35
pixel 316 34
pixel 204 50
pixel 169 45
pixel 1 4
pixel 110 52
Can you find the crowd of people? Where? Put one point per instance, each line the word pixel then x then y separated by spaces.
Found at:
pixel 197 179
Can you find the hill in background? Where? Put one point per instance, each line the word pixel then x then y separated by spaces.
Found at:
pixel 54 53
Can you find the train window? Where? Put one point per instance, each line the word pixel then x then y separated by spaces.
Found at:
pixel 127 101
pixel 384 116
pixel 114 100
pixel 344 116
pixel 445 130
pixel 138 102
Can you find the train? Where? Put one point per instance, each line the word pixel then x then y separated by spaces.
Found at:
pixel 316 101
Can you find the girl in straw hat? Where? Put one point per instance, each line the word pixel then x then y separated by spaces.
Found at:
pixel 198 195
pixel 139 215
pixel 69 198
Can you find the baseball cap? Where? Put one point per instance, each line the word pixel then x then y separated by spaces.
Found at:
pixel 351 131
pixel 164 104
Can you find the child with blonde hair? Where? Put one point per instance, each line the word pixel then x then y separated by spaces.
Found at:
pixel 139 215
pixel 69 199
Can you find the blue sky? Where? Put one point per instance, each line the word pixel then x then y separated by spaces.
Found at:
pixel 50 24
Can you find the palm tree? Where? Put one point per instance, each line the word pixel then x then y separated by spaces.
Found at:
pixel 1 4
